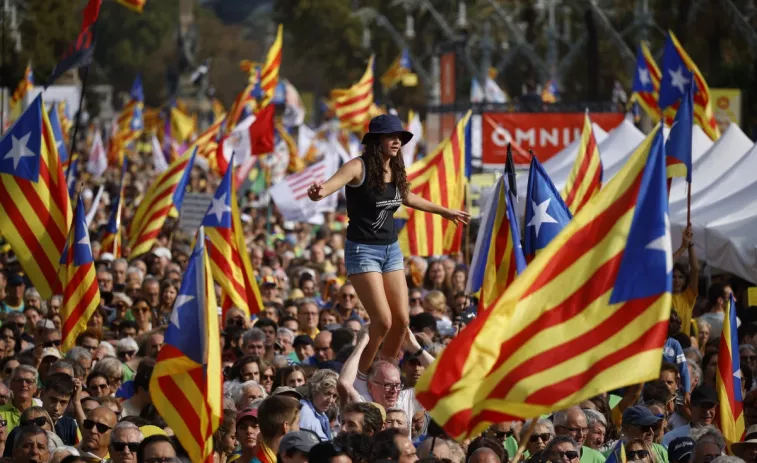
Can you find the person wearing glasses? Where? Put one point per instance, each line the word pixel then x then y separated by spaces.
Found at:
pixel 562 449
pixel 640 423
pixel 710 445
pixel 638 450
pixel 124 442
pixel 97 432
pixel 23 385
pixel 572 423
pixel 35 416
pixel 98 384
pixel 543 432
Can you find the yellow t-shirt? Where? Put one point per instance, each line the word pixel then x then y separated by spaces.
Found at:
pixel 683 303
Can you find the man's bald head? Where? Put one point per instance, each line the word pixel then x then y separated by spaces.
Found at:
pixel 484 455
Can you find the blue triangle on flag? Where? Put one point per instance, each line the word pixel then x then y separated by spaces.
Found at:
pixel 219 210
pixel 20 147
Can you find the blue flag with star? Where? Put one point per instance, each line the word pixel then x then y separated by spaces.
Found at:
pixel 20 147
pixel 676 77
pixel 678 146
pixel 546 212
pixel 186 330
pixel 77 249
pixel 642 81
pixel 58 133
pixel 137 93
pixel 219 210
pixel 181 187
pixel 647 263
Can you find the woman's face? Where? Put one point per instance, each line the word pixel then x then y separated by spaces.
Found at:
pixel 229 441
pixel 250 371
pixel 390 145
pixel 57 321
pixel 458 279
pixel 96 321
pixel 247 433
pixel 539 438
pixel 327 319
pixel 141 313
pixel 704 335
pixel 8 370
pixel 679 280
pixel 266 379
pixel 323 400
pixel 169 295
pixel 34 415
pixel 637 452
pixel 295 379
pixel 436 273
pixel 10 340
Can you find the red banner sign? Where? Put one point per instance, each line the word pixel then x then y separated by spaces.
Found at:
pixel 545 133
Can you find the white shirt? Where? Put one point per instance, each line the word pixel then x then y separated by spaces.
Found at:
pixel 406 400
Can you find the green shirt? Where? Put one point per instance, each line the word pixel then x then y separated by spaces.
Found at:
pixel 589 455
pixel 511 445
pixel 10 414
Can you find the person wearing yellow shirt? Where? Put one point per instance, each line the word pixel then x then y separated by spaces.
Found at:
pixel 685 287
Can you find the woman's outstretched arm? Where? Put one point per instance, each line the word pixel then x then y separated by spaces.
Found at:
pixel 421 204
pixel 349 172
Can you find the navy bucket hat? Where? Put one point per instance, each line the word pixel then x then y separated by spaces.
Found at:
pixel 386 124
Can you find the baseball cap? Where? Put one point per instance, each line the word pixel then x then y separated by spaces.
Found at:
pixel 162 252
pixel 250 412
pixel 704 395
pixel 302 340
pixel 302 441
pixel 51 352
pixel 15 280
pixel 639 415
pixel 287 390
pixel 680 449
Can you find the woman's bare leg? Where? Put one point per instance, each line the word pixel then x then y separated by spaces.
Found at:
pixel 370 290
pixel 395 289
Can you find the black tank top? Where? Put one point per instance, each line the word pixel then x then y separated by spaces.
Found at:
pixel 371 213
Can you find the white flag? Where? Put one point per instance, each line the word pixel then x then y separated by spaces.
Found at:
pixel 305 138
pixel 291 194
pixel 158 158
pixel 98 158
pixel 416 128
pixel 239 142
pixel 95 205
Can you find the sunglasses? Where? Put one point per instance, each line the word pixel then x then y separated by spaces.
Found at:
pixel 636 454
pixel 100 387
pixel 38 421
pixel 121 446
pixel 415 300
pixel 502 435
pixel 8 371
pixel 543 437
pixel 348 296
pixel 3 423
pixel 55 343
pixel 128 353
pixel 571 454
pixel 20 326
pixel 142 309
pixel 267 377
pixel 102 428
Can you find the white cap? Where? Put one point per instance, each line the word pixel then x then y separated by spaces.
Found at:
pixel 108 257
pixel 162 252
pixel 87 194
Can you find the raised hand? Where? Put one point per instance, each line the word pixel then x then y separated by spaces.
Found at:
pixel 457 217
pixel 315 192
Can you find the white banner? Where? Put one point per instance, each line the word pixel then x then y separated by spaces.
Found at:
pixel 291 194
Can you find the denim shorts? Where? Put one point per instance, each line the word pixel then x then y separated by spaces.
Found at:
pixel 380 258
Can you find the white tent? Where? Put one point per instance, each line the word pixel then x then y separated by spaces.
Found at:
pixel 616 149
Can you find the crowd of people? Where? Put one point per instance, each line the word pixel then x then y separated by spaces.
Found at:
pixel 303 378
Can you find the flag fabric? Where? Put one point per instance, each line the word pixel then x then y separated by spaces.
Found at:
pixel 269 74
pixel 646 83
pixel 186 384
pixel 71 174
pixel 549 93
pixel 158 158
pixel 26 84
pixel 352 105
pixel 546 213
pixel 414 126
pixel 207 146
pixel 81 293
pixel 678 70
pixel 731 412
pixel 585 180
pixel 134 5
pixel 498 256
pixel 618 454
pixel 291 194
pixel 182 125
pixel 97 163
pixel 80 52
pixel 229 260
pixel 678 147
pixel 60 140
pixel 440 178
pixel 588 315
pixel 35 210
pixel 111 240
pixel 130 123
pixel 400 67
pixel 262 131
pixel 165 194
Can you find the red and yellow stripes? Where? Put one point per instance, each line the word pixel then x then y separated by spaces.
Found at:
pixel 649 100
pixel 728 379
pixel 231 266
pixel 269 75
pixel 353 104
pixel 35 217
pixel 585 179
pixel 189 395
pixel 207 147
pixel 134 5
pixel 157 203
pixel 26 84
pixel 501 266
pixel 553 339
pixel 439 178
pixel 703 114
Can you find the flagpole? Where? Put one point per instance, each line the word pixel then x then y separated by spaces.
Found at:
pixel 688 206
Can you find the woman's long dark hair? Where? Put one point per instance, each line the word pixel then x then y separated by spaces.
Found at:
pixel 374 169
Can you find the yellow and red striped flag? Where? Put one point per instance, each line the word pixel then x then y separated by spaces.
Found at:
pixel 585 179
pixel 440 178
pixel 81 294
pixel 399 68
pixel 269 75
pixel 229 260
pixel 589 314
pixel 163 196
pixel 26 84
pixel 186 384
pixel 352 105
pixel 35 210
pixel 729 378
pixel 646 83
pixel 134 5
pixel 111 241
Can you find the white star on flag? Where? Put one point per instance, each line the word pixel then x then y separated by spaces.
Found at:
pixel 218 207
pixel 663 244
pixel 181 299
pixel 19 149
pixel 644 76
pixel 541 216
pixel 84 239
pixel 679 80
